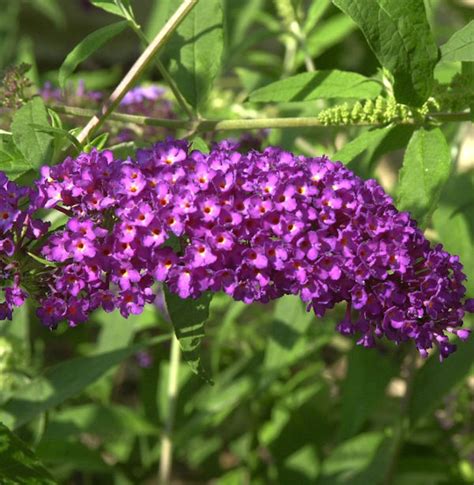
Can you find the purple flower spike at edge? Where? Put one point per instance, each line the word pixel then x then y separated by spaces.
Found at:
pixel 256 226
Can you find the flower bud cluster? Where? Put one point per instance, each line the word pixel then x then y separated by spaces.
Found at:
pixel 381 110
pixel 256 226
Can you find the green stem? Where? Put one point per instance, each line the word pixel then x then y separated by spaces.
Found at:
pixel 403 424
pixel 166 456
pixel 137 69
pixel 249 124
pixel 295 29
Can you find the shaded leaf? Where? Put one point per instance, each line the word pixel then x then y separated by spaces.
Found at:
pixel 454 222
pixel 329 33
pixel 433 381
pixel 188 317
pixel 60 132
pixel 87 47
pixel 110 422
pixel 318 85
pixel 160 11
pixel 399 35
pixel 51 10
pixel 426 168
pixel 360 460
pixel 364 141
pixel 315 11
pixel 196 49
pixel 34 145
pixel 361 394
pixel 18 464
pixel 287 342
pixel 62 382
pixel 460 47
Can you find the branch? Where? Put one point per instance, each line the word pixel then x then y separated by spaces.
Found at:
pixel 166 457
pixel 165 74
pixel 136 70
pixel 249 124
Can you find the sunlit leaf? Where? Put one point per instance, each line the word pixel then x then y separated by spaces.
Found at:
pixel 426 168
pixel 318 85
pixel 399 35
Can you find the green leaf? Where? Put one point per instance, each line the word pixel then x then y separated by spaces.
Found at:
pixel 109 6
pixel 361 460
pixel 188 317
pixel 240 18
pixel 460 47
pixel 99 142
pixel 35 146
pixel 18 464
pixel 329 33
pixel 361 143
pixel 318 85
pixel 60 132
pixel 399 35
pixel 42 261
pixel 51 10
pixel 199 144
pixel 315 11
pixel 426 168
pixel 62 382
pixel 9 20
pixel 454 222
pixel 12 161
pixel 110 422
pixel 360 394
pixel 287 342
pixel 87 47
pixel 433 381
pixel 196 50
pixel 159 12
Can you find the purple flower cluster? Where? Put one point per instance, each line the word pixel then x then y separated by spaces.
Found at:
pixel 256 226
pixel 18 230
pixel 148 101
pixel 78 96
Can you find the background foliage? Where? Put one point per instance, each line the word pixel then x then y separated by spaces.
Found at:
pixel 292 400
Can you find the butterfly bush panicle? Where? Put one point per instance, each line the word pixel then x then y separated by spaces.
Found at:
pixel 18 231
pixel 256 226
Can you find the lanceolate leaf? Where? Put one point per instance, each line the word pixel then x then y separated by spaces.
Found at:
pixel 360 460
pixel 188 317
pixel 426 168
pixel 109 6
pixel 399 34
pixel 454 222
pixel 315 11
pixel 460 47
pixel 360 395
pixel 287 340
pixel 196 50
pixel 87 47
pixel 62 382
pixel 433 381
pixel 364 141
pixel 328 33
pixel 316 85
pixel 18 464
pixel 35 146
